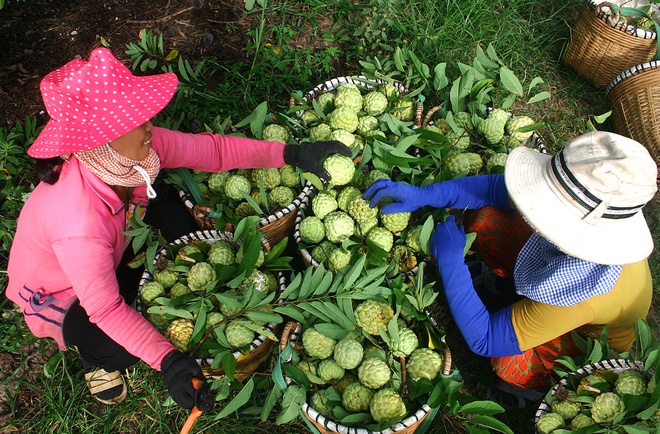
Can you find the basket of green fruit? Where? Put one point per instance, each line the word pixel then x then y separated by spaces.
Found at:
pixel 210 294
pixel 615 395
pixel 371 366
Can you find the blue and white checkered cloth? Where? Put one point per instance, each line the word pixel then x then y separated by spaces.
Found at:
pixel 546 274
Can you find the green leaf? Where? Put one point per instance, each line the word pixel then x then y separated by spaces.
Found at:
pixel 291 312
pixel 510 81
pixel 440 80
pixel 482 407
pixel 539 97
pixel 492 423
pixel 292 401
pixel 272 398
pixel 264 317
pixel 229 365
pixel 241 399
pixel 333 331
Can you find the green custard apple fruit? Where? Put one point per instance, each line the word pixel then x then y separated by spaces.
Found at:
pixel 351 100
pixel 630 382
pixel 222 253
pixel 500 115
pixel 516 123
pixel 323 204
pixel 459 141
pixel 356 397
pixel 387 405
pixel 343 382
pixel 363 228
pixel 166 277
pixel 261 257
pixel 375 103
pixel 424 363
pixel 312 229
pixel 374 373
pixel 244 209
pixel 366 124
pixel 150 291
pixel 289 176
pixel 275 132
pixel 497 159
pixel 317 344
pixel 281 195
pixel 328 369
pixel 215 320
pixel 549 422
pixel 492 129
pixel 346 196
pixel 373 176
pixel 339 226
pixel 381 237
pixel 464 120
pixel 321 252
pixel 160 321
pixel 236 186
pixel 200 276
pixel 606 407
pixel 310 118
pixel 343 118
pixel 338 259
pixel 320 133
pixel 237 334
pixel 178 290
pixel 360 210
pixel 458 163
pixel 412 239
pixel 179 333
pixel 389 90
pixel 581 421
pixel 372 315
pixel 217 180
pixel 326 102
pixel 348 353
pixel 340 168
pixel 403 110
pixel 567 409
pixel 408 342
pixel 269 176
pixel 258 280
pixel 343 136
pixel 319 402
pixel 395 222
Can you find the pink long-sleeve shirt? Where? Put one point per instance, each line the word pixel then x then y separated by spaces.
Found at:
pixel 69 241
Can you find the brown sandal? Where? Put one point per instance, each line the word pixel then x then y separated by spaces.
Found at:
pixel 101 384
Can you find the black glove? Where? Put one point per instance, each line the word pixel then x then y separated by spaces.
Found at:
pixel 178 371
pixel 308 156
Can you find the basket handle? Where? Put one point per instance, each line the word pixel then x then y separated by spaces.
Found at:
pixel 634 12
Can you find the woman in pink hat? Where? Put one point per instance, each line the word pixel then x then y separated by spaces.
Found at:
pixel 97 158
pixel 562 247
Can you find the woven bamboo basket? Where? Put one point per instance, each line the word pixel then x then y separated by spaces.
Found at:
pixel 248 362
pixel 572 379
pixel 291 335
pixel 602 45
pixel 634 98
pixel 275 227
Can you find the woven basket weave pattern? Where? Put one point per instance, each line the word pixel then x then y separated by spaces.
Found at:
pixel 634 98
pixel 598 52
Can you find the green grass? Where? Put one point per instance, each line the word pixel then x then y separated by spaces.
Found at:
pixel 294 46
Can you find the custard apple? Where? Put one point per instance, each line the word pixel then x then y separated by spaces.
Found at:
pixel 312 230
pixel 261 257
pixel 150 291
pixel 497 159
pixel 464 120
pixel 275 132
pixel 237 334
pixel 606 407
pixel 412 238
pixel 395 222
pixel 500 115
pixel 348 353
pixel 340 168
pixel 387 406
pixel 179 333
pixel 381 237
pixel 343 382
pixel 310 118
pixel 360 210
pixel 166 277
pixel 371 315
pixel 215 320
pixel 269 176
pixel 317 344
pixel 424 363
pixel 200 276
pixel 281 195
pixel 310 371
pixel 244 209
pixel 338 259
pixel 492 129
pixel 581 421
pixel 375 103
pixel 237 186
pixel 319 133
pixel 389 90
pixel 329 369
pixel 217 180
pixel 514 124
pixel 549 422
pixel 363 228
pixel 630 382
pixel 458 163
pixel 350 99
pixel 408 342
pixel 178 290
pixel 322 204
pixel 222 253
pixel 374 373
pixel 356 397
pixel 343 136
pixel 343 118
pixel 160 321
pixel 366 124
pixel 567 409
pixel 289 176
pixel 373 176
pixel 339 226
pixel 257 279
pixel 321 252
pixel 403 110
pixel 326 102
pixel 459 141
pixel 319 402
pixel 347 195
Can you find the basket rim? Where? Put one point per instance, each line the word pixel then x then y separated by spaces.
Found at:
pixel 629 29
pixel 615 365
pixel 206 236
pixel 632 72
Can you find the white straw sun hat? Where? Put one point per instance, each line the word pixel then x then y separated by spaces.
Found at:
pixel 587 199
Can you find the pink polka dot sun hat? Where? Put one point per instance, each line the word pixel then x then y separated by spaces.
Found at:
pixel 93 102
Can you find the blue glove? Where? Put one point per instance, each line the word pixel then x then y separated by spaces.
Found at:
pixel 471 192
pixel 487 335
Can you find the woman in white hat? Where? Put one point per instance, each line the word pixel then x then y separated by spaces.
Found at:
pixel 582 267
pixel 97 158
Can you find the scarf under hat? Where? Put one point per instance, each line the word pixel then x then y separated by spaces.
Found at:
pixel 114 168
pixel 546 274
